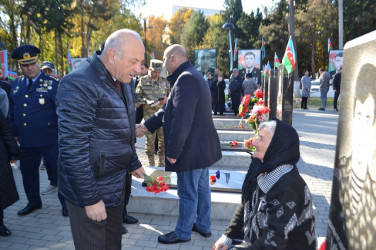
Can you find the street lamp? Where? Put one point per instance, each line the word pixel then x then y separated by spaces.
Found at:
pixel 145 42
pixel 230 26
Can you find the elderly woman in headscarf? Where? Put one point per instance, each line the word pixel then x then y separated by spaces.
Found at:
pixel 276 208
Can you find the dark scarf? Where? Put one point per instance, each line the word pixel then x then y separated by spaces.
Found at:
pixel 283 149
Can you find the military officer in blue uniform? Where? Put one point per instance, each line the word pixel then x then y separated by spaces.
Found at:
pixel 34 123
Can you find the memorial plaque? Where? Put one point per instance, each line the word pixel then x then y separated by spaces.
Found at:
pixel 229 181
pixel 352 214
pixel 279 91
pixel 266 90
pixel 273 88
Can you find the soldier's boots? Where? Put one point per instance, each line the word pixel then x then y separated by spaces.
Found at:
pixel 161 162
pixel 151 160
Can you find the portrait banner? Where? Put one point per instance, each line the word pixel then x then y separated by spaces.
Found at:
pixel 206 61
pixel 335 61
pixel 249 61
pixel 352 214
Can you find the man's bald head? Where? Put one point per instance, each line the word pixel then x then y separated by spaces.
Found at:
pixel 122 54
pixel 119 39
pixel 173 57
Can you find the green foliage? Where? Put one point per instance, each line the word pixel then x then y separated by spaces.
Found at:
pixel 176 24
pixel 193 33
pixel 217 38
pixel 359 18
pixel 274 29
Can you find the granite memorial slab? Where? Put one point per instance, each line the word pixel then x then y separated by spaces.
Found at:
pixel 273 88
pixel 352 214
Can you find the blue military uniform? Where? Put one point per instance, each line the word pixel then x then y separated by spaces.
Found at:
pixel 34 121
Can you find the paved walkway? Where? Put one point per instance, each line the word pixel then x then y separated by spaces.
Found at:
pixel 47 229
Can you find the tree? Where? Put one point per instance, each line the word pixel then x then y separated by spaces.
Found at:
pixel 250 25
pixel 217 38
pixel 193 33
pixel 58 15
pixel 314 26
pixel 359 18
pixel 156 35
pixel 275 31
pixel 8 31
pixel 176 24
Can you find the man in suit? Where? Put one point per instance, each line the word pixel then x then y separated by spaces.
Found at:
pixel 324 87
pixel 34 123
pixel 337 88
pixel 191 140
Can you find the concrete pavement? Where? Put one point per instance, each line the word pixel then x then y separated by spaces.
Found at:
pixel 47 229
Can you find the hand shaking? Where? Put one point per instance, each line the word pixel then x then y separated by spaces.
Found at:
pixel 141 130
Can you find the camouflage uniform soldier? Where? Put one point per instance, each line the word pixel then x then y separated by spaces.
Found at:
pixel 153 91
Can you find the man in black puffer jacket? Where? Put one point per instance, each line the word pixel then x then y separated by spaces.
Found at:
pixel 96 140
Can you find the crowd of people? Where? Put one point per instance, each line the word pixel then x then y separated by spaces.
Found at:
pixel 85 128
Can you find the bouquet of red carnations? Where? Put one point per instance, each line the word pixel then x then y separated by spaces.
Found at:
pixel 155 184
pixel 259 113
pixel 248 144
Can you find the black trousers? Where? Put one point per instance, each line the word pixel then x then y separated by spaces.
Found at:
pixel 304 102
pixel 235 103
pixel 29 164
pixel 96 235
pixel 336 95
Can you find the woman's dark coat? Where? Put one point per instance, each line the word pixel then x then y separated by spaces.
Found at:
pixel 8 151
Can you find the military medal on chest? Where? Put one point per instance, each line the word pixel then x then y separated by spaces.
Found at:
pixel 42 101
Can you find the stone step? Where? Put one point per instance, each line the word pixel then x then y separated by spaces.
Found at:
pixel 235 135
pixel 227 122
pixel 224 204
pixel 233 160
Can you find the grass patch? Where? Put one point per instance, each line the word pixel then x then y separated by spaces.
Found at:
pixel 315 102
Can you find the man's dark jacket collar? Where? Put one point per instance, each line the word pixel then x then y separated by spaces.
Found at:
pixel 174 76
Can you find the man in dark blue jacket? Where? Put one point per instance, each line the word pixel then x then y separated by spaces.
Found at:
pixel 96 140
pixel 34 123
pixel 191 141
pixel 236 86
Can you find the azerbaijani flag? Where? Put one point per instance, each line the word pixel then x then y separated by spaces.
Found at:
pixel 289 58
pixel 276 60
pixel 12 75
pixel 330 45
pixel 268 69
pixel 69 62
pixel 4 62
pixel 262 49
pixel 152 56
pixel 236 50
pixel 264 71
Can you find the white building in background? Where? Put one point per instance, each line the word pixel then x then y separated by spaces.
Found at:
pixel 207 12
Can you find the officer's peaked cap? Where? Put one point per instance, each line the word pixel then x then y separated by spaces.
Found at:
pixel 26 54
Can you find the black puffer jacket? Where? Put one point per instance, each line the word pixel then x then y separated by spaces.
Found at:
pixel 96 136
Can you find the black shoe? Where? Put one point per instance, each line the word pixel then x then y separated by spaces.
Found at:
pixel 28 209
pixel 124 230
pixel 64 212
pixel 336 109
pixel 321 109
pixel 170 238
pixel 129 219
pixel 195 229
pixel 4 231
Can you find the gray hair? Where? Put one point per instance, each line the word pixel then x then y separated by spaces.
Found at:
pixel 269 125
pixel 117 40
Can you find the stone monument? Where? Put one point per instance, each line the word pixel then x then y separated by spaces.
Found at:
pixel 352 215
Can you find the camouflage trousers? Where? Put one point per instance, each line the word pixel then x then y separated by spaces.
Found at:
pixel 150 139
